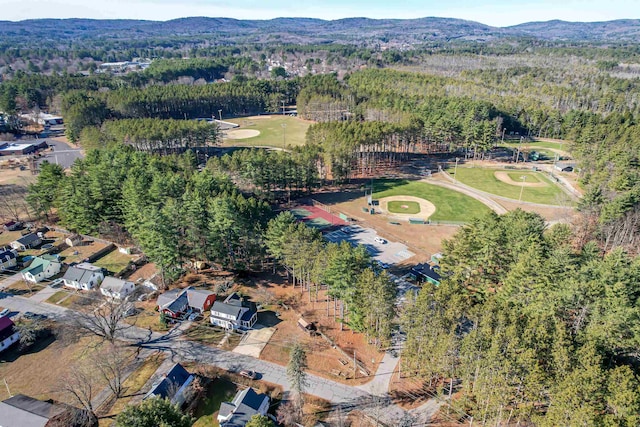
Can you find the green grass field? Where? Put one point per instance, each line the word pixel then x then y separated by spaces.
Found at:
pixel 485 180
pixel 397 207
pixel 537 143
pixel 450 205
pixel 272 134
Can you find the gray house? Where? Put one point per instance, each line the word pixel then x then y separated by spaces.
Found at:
pixel 83 276
pixel 27 241
pixel 173 385
pixel 245 405
pixel 25 411
pixel 8 259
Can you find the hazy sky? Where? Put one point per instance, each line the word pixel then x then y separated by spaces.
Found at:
pixel 492 12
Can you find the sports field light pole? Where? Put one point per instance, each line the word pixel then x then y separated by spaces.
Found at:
pixel 284 136
pixel 524 180
pixel 455 170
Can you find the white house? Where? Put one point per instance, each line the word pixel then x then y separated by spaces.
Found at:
pixel 41 268
pixel 83 276
pixel 8 333
pixel 116 288
pixel 245 405
pixel 8 259
pixel 234 313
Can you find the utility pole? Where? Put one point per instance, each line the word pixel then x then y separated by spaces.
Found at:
pixel 354 365
pixel 455 170
pixel 282 108
pixel 220 114
pixel 524 180
pixel 6 384
pixel 284 136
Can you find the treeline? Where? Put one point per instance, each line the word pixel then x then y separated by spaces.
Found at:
pixel 272 175
pixel 358 294
pixel 81 109
pixel 152 135
pixel 536 330
pixel 174 212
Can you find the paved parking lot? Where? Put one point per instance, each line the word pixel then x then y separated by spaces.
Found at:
pixel 388 253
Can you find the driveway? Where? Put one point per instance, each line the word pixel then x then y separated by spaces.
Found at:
pixel 254 341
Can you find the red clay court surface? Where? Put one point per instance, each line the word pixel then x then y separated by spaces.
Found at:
pixel 317 218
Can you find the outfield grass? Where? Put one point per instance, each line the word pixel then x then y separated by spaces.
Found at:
pixel 485 180
pixel 272 134
pixel 541 144
pixel 397 207
pixel 450 205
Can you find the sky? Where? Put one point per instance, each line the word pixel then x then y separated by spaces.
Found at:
pixel 498 13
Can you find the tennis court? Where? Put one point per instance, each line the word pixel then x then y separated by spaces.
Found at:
pixel 317 218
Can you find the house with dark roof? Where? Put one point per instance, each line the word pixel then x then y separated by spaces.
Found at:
pixel 173 385
pixel 25 411
pixel 177 302
pixel 8 259
pixel 234 313
pixel 27 241
pixel 12 225
pixel 245 405
pixel 9 335
pixel 116 288
pixel 425 272
pixel 41 268
pixel 83 276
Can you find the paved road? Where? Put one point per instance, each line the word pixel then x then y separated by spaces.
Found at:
pixel 62 154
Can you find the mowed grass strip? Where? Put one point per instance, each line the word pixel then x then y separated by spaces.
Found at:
pixel 531 177
pixel 272 133
pixel 397 207
pixel 485 180
pixel 450 205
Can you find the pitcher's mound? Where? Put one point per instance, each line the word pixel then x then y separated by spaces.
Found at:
pixel 242 133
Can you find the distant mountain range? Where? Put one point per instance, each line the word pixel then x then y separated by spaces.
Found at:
pixel 308 30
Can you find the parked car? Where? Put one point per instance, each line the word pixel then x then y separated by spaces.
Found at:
pixel 5 312
pixel 34 316
pixel 248 374
pixel 380 240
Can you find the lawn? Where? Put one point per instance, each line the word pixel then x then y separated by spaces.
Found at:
pixel 450 205
pixel 485 180
pixel 21 287
pixel 220 390
pixel 134 383
pixel 272 134
pixel 7 237
pixel 147 319
pixel 541 144
pixel 397 207
pixel 206 334
pixel 80 253
pixel 57 297
pixel 114 261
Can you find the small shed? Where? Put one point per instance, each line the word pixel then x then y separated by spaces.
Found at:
pixel 73 240
pixel 308 327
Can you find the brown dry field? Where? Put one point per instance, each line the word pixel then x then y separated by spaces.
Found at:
pixel 423 240
pixel 548 213
pixel 323 360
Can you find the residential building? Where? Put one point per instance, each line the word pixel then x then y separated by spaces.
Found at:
pixel 9 335
pixel 41 268
pixel 173 385
pixel 83 276
pixel 234 313
pixel 27 241
pixel 73 240
pixel 245 405
pixel 25 411
pixel 12 225
pixel 116 288
pixel 8 259
pixel 177 302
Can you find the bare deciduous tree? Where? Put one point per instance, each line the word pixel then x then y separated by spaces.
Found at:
pixel 79 383
pixel 110 363
pixel 105 321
